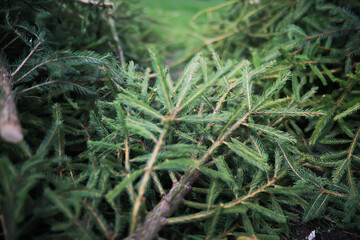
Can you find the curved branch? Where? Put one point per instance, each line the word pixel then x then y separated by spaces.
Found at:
pixel 10 128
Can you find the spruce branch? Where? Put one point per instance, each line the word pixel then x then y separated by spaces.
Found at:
pixel 156 219
pixel 26 59
pixel 145 179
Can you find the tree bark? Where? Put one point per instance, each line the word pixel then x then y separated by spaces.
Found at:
pixel 10 128
pixel 156 219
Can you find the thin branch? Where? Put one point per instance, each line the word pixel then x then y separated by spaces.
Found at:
pixel 100 4
pixel 115 35
pixel 145 180
pixel 3 225
pixel 11 42
pixel 27 58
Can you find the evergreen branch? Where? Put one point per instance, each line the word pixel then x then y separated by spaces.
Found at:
pixel 212 193
pixel 99 220
pixel 143 123
pixel 273 89
pixel 218 65
pixel 195 95
pixel 224 168
pixel 203 118
pixel 248 154
pixel 291 112
pixel 214 221
pixel 316 207
pixel 67 211
pixel 189 77
pixel 252 194
pixel 235 115
pixel 247 84
pixel 267 212
pixel 222 99
pixel 187 69
pixel 164 85
pixel 326 118
pixel 262 68
pixel 335 141
pixel 123 184
pixel 77 59
pixel 215 174
pixel 155 219
pixel 236 69
pixel 318 73
pixel 348 111
pixel 27 58
pixel 191 217
pixel 332 32
pixel 140 130
pixel 340 170
pixel 287 160
pixel 176 165
pixel 305 97
pixel 157 182
pixel 141 106
pixel 145 180
pixel 115 35
pixel 351 181
pixel 205 214
pixel 342 11
pixel 83 192
pixel 233 127
pixel 271 131
pixel 77 86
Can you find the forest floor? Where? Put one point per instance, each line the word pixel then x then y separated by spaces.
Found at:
pixel 322 230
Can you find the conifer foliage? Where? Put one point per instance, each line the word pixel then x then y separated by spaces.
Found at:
pixel 241 145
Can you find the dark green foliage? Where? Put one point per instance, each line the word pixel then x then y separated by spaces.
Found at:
pixel 263 143
pixel 56 80
pixel 318 42
pixel 220 149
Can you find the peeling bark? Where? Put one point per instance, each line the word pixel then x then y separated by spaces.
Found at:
pixel 10 128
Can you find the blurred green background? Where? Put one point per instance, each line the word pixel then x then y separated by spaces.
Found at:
pixel 178 26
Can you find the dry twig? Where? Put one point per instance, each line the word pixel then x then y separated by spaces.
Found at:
pixel 92 2
pixel 10 128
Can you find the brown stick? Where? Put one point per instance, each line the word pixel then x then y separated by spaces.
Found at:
pixel 101 4
pixel 156 219
pixel 10 128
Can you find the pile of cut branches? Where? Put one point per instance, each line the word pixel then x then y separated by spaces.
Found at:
pixel 259 132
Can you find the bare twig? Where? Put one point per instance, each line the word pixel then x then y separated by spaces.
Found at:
pixel 92 2
pixel 10 128
pixel 27 58
pixel 115 35
pixel 156 219
pixel 11 42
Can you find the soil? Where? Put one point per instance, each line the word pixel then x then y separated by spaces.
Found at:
pixel 323 231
